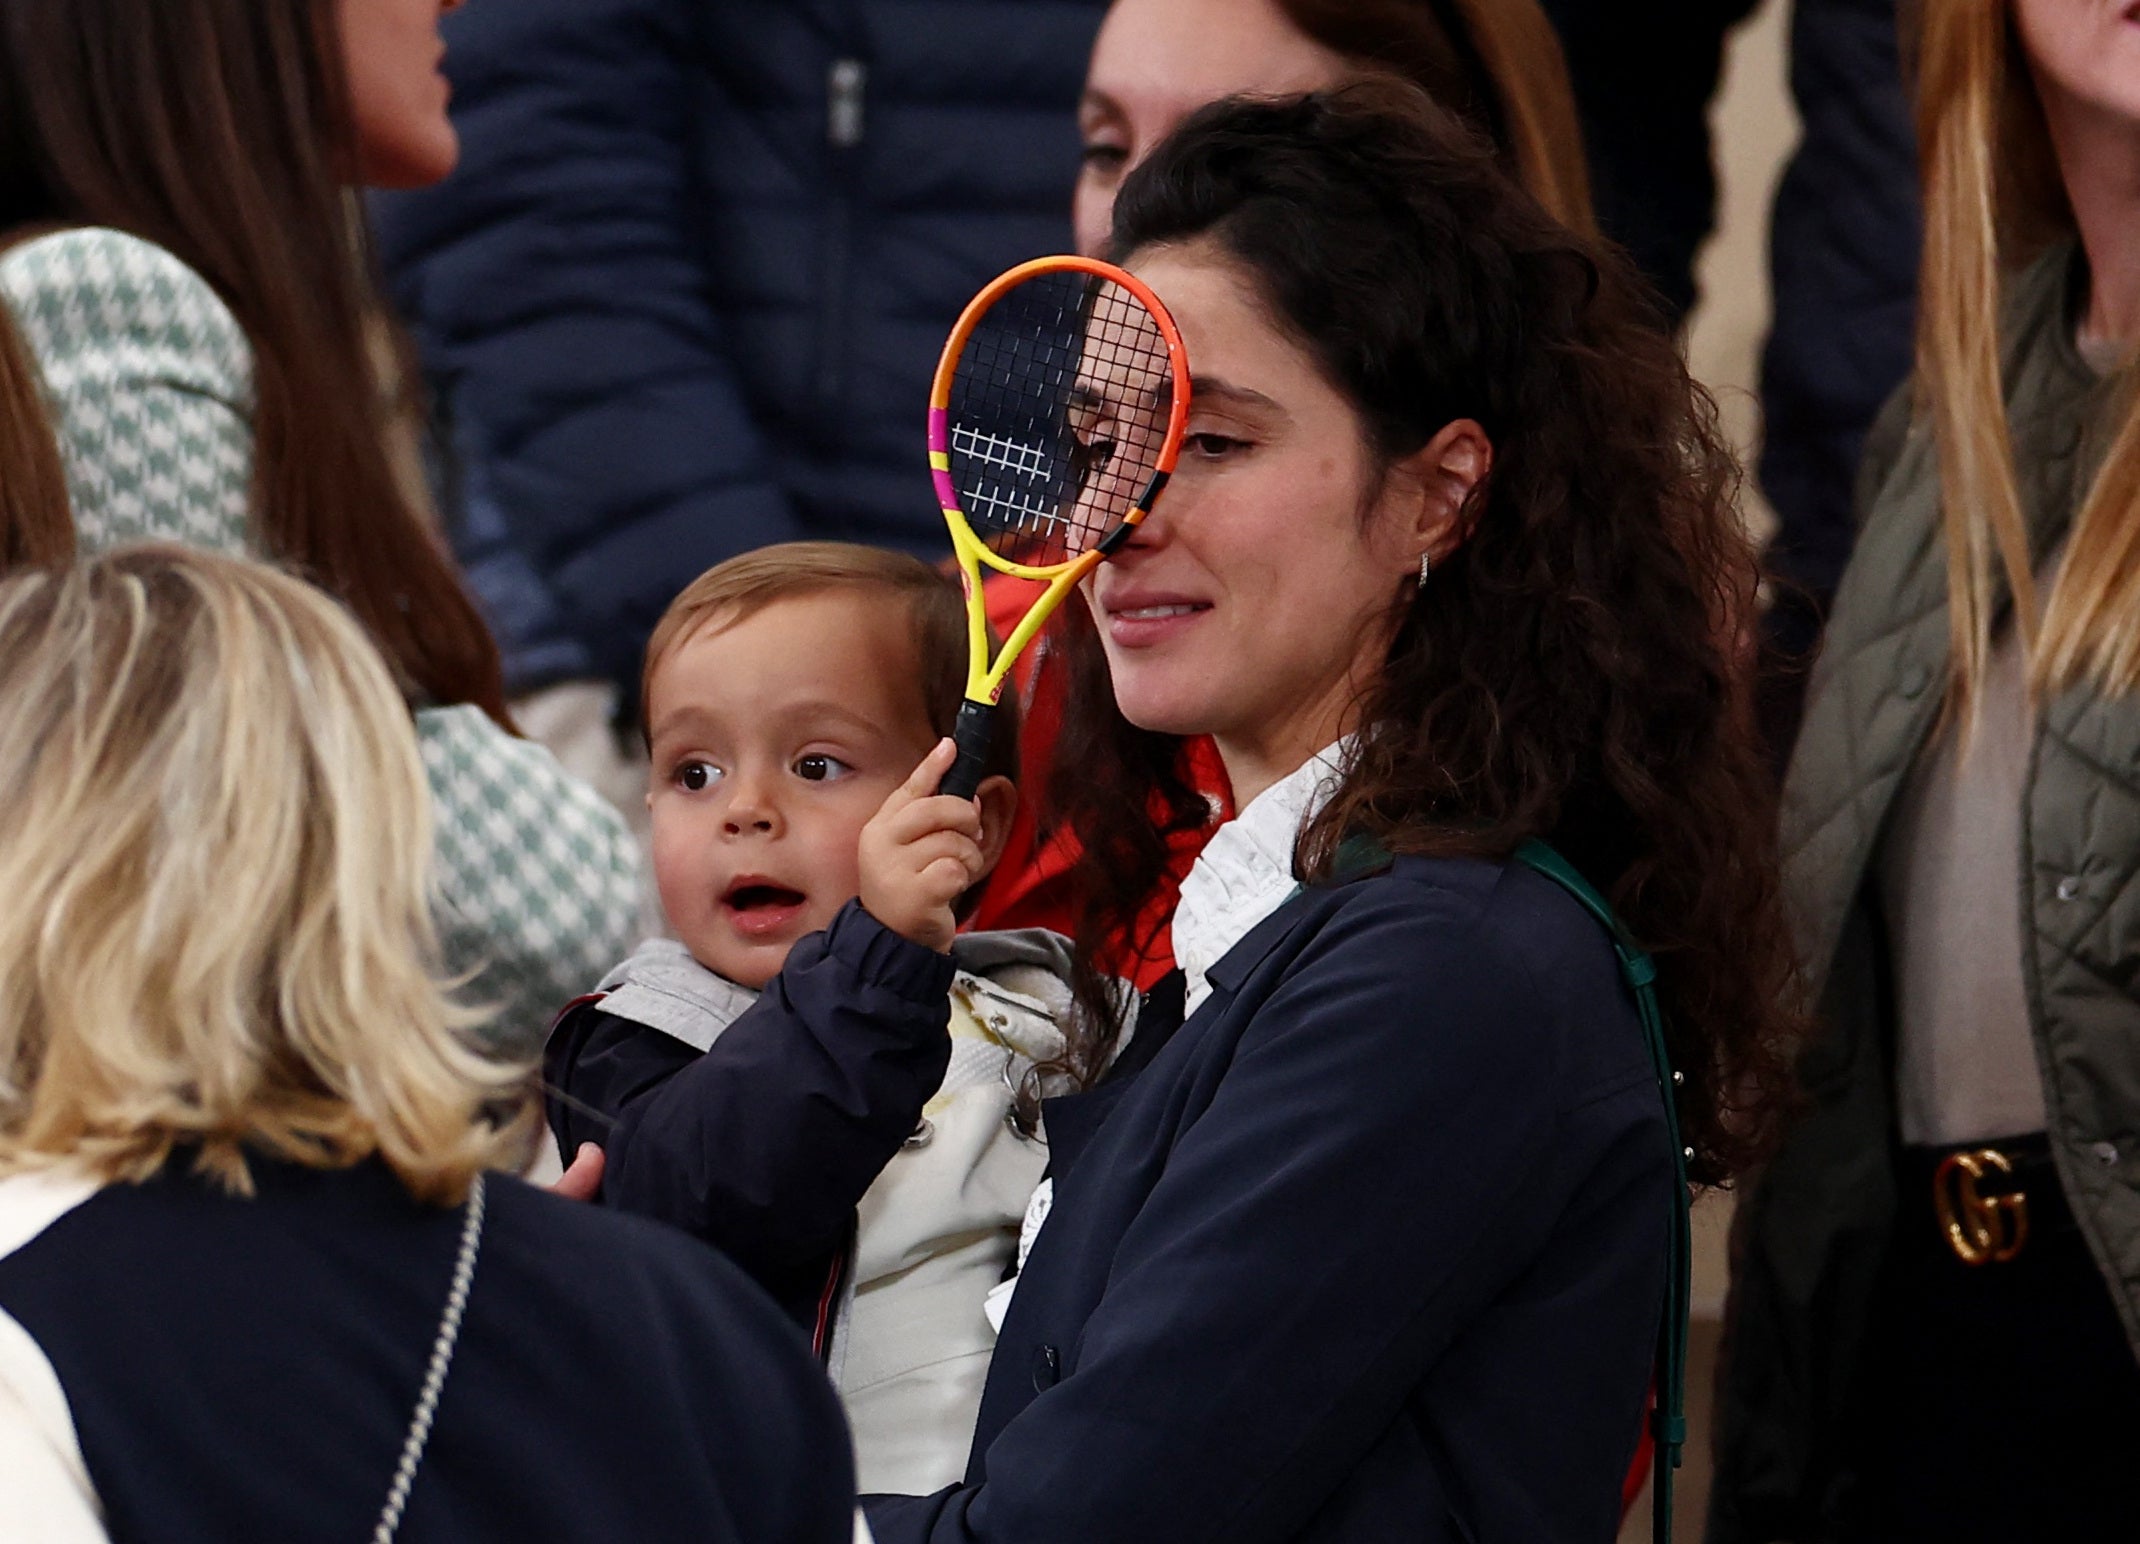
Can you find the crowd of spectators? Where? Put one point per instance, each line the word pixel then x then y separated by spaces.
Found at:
pixel 463 515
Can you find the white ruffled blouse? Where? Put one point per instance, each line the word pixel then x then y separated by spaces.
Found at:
pixel 1245 871
pixel 1243 875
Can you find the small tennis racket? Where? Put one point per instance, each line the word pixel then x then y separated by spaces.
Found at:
pixel 1054 424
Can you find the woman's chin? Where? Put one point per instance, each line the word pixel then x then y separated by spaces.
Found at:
pixel 419 158
pixel 1162 712
pixel 1166 689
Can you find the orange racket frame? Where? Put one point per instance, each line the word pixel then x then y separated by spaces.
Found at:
pixel 987 670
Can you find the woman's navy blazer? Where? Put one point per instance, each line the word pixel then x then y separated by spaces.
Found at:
pixel 1373 1249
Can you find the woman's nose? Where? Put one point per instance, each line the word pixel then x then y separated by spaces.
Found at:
pixel 1152 531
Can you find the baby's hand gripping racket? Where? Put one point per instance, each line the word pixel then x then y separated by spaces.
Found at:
pixel 1054 423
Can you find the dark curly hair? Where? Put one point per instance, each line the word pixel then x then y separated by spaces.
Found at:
pixel 1574 671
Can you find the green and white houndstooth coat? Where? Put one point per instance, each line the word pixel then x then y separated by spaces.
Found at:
pixel 149 381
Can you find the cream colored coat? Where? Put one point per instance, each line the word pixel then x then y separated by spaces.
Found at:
pixel 939 1228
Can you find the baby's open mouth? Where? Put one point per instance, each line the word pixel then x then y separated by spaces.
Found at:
pixel 759 895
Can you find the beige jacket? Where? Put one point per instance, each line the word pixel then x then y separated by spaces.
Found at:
pixel 939 1228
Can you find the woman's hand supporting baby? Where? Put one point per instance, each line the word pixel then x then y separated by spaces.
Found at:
pixel 920 853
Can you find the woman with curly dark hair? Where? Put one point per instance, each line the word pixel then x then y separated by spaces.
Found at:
pixel 1373 1244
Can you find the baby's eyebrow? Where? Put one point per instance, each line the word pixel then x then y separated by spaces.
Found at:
pixel 693 717
pixel 689 715
pixel 827 708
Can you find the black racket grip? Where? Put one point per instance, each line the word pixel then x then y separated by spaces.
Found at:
pixel 975 729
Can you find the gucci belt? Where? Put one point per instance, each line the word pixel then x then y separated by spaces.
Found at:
pixel 1981 1228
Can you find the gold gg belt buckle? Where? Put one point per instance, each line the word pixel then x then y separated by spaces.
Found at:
pixel 1981 1229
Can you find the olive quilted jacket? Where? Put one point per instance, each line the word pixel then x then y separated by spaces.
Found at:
pixel 1811 1229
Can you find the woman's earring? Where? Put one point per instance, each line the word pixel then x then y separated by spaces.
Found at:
pixel 1426 562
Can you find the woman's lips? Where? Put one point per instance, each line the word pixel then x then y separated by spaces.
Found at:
pixel 1148 623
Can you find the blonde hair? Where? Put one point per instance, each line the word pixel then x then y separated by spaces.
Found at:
pixel 214 854
pixel 1993 199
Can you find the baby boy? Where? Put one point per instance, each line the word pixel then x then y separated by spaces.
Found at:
pixel 779 1079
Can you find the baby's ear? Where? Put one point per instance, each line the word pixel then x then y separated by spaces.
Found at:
pixel 998 798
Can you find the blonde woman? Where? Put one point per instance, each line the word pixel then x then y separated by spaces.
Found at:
pixel 1937 1309
pixel 257 1279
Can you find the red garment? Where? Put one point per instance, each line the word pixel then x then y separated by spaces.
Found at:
pixel 1638 1472
pixel 1031 884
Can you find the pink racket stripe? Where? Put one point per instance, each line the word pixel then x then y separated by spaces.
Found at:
pixel 947 494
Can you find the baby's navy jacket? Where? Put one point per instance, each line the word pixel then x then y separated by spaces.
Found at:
pixel 763 1144
pixel 1374 1248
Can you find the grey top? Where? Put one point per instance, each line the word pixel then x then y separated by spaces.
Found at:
pixel 1965 1062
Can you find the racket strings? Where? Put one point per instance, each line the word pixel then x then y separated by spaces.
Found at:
pixel 1058 416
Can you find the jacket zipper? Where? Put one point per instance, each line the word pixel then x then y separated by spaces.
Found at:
pixel 846 121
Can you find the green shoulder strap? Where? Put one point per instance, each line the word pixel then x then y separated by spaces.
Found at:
pixel 1669 1422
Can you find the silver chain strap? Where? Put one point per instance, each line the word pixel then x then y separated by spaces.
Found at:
pixel 449 1332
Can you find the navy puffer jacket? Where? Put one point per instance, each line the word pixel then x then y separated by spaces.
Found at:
pixel 1844 262
pixel 684 295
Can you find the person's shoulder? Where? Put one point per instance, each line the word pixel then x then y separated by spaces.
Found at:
pixel 460 741
pixel 1428 964
pixel 95 288
pixel 640 1277
pixel 582 1017
pixel 633 1292
pixel 662 1344
pixel 504 791
pixel 101 248
pixel 1490 901
pixel 1499 922
pixel 1026 972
